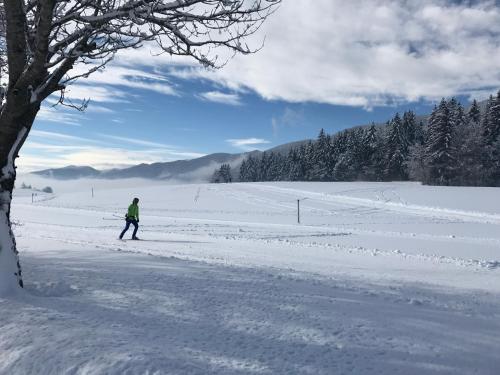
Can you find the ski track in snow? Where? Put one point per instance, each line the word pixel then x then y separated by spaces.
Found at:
pixel 389 204
pixel 227 283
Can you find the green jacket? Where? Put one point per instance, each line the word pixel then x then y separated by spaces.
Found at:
pixel 133 212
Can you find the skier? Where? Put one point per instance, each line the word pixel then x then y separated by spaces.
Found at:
pixel 132 217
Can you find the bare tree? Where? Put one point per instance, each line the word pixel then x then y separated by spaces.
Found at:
pixel 45 45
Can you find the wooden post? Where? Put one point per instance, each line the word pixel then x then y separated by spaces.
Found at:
pixel 92 192
pixel 298 211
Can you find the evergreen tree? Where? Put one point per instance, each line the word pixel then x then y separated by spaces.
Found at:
pixel 397 150
pixel 369 146
pixel 263 167
pixel 420 134
pixel 355 154
pixel 457 114
pixel 417 167
pixel 308 161
pixel 222 175
pixel 474 113
pixel 295 172
pixel 321 155
pixel 485 120
pixel 274 167
pixel 453 109
pixel 342 168
pixel 251 169
pixel 490 131
pixel 243 171
pixel 339 148
pixel 467 147
pixel 409 128
pixel 491 121
pixel 225 171
pixel 438 152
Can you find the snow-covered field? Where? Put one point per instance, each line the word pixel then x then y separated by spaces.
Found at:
pixel 379 278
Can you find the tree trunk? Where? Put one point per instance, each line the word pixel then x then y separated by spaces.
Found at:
pixel 14 128
pixel 10 268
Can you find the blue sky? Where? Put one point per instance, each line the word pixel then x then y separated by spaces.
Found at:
pixel 362 63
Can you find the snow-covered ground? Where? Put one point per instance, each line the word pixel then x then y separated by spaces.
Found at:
pixel 379 278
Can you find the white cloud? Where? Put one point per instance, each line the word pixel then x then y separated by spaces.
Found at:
pixel 108 85
pixel 60 115
pixel 101 94
pixel 247 143
pixel 97 157
pixel 220 97
pixel 156 147
pixel 36 156
pixel 369 52
pixel 46 149
pixel 359 53
pixel 94 108
pixel 54 135
pixel 54 148
pixel 135 141
pixel 187 155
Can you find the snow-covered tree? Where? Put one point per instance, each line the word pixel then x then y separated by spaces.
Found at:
pixel 417 167
pixel 491 137
pixel 319 162
pixel 222 174
pixel 45 45
pixel 474 113
pixel 468 153
pixel 295 171
pixel 243 171
pixel 438 152
pixel 249 170
pixel 491 121
pixel 397 150
pixel 410 128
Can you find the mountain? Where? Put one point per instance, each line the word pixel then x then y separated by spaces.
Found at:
pixel 69 173
pixel 189 170
pixel 199 169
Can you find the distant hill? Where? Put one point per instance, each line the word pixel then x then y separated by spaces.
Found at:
pixel 71 172
pixel 199 169
pixel 189 170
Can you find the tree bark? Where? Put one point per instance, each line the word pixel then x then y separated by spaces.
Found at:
pixel 10 268
pixel 14 128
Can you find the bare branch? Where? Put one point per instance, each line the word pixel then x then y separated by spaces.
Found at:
pixel 68 103
pixel 45 39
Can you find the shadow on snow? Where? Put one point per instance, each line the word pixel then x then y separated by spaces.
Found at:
pixel 110 313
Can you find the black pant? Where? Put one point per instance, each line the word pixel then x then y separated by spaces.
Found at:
pixel 134 223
